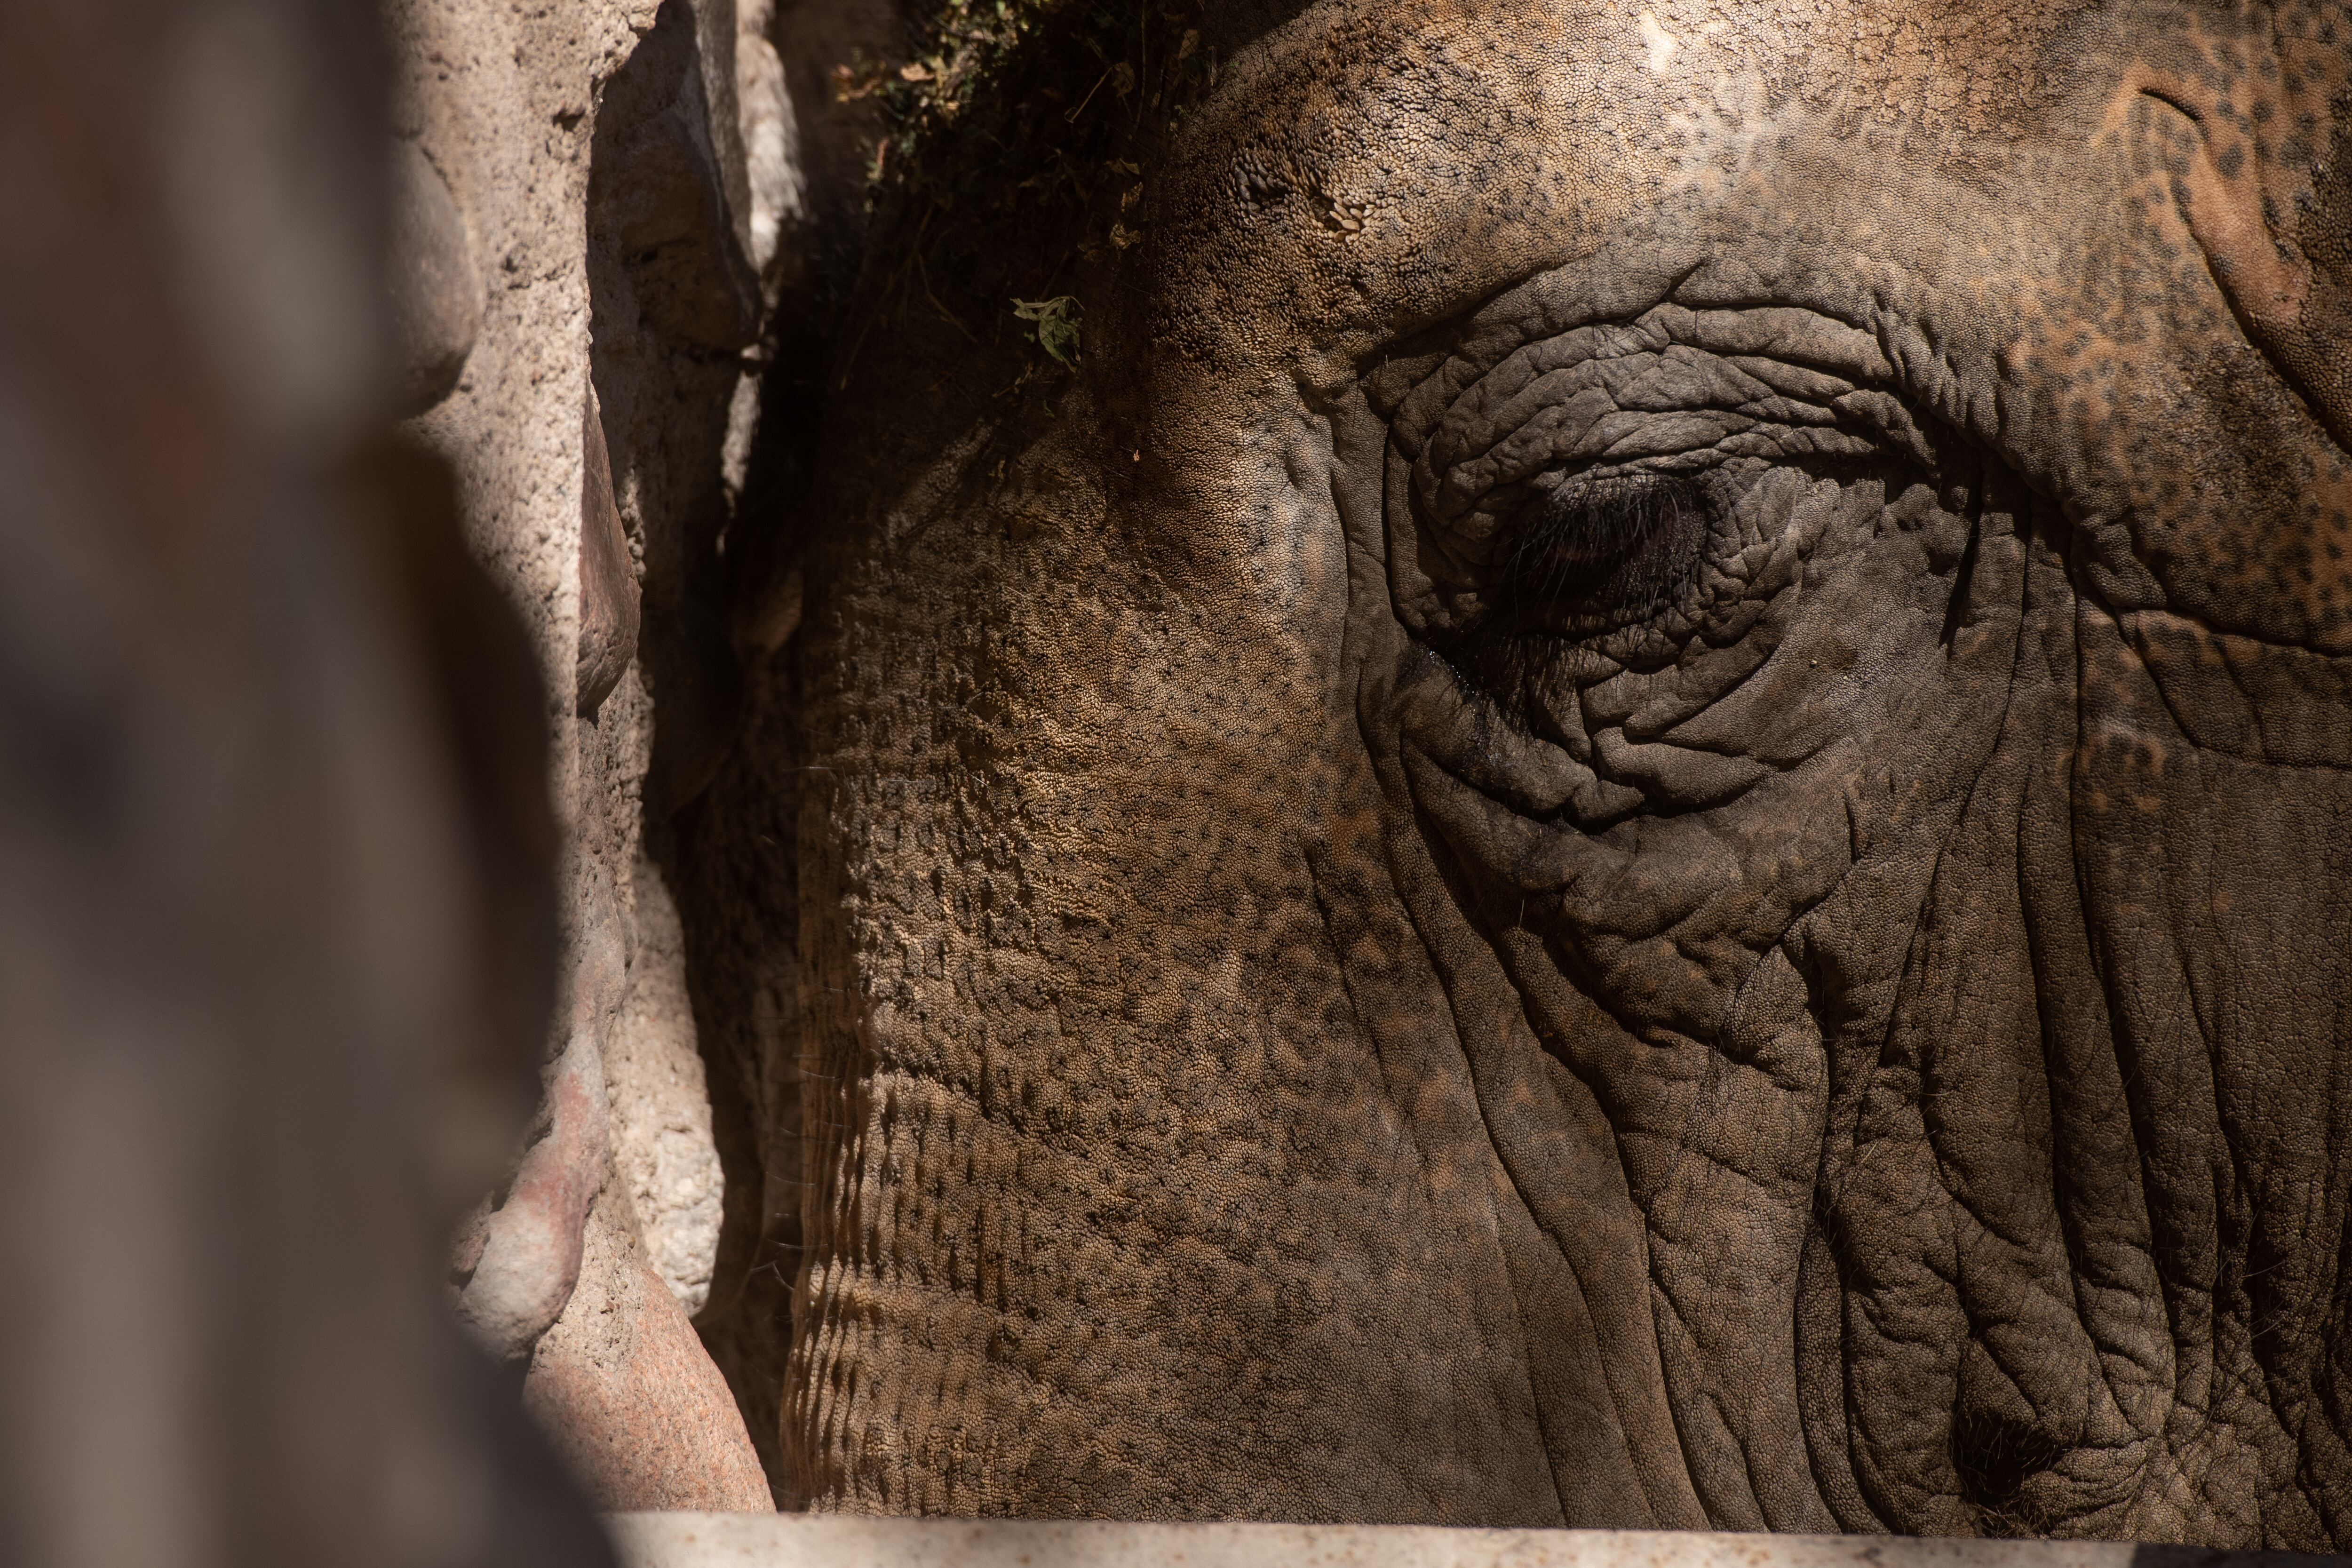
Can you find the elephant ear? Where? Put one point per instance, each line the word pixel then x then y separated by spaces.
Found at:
pixel 2268 190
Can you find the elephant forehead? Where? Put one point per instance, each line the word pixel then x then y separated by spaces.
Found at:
pixel 1370 168
pixel 1365 169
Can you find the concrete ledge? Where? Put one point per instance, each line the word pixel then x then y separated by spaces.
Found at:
pixel 834 1540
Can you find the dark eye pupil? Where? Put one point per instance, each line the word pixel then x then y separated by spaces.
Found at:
pixel 1619 543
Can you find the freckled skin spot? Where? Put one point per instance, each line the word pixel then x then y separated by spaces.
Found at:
pixel 1335 985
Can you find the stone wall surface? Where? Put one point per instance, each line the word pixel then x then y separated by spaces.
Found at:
pixel 616 228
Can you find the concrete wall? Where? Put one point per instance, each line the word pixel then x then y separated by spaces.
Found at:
pixel 613 218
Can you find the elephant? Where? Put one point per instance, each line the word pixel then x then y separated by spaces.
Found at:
pixel 1581 763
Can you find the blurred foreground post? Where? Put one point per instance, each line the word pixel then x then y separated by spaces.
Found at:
pixel 273 843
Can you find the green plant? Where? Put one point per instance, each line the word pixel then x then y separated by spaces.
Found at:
pixel 1015 163
pixel 1056 325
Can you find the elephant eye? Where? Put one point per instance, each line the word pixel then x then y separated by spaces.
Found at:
pixel 1580 558
pixel 1568 499
pixel 1624 544
pixel 1621 481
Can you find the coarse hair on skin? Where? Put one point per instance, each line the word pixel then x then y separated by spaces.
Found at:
pixel 1579 559
pixel 1618 544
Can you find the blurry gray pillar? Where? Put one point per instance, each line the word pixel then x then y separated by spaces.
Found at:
pixel 253 866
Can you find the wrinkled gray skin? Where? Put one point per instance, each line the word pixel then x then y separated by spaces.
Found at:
pixel 1368 957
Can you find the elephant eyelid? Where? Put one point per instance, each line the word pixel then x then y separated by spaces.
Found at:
pixel 1620 539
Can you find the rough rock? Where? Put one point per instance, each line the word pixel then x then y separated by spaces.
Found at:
pixel 628 177
pixel 632 1398
pixel 663 1157
pixel 432 282
pixel 608 584
pixel 526 1259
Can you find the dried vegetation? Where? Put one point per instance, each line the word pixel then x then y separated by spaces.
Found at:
pixel 1011 174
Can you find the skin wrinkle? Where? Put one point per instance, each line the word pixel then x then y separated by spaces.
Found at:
pixel 2079 1279
pixel 2191 1327
pixel 1491 1144
pixel 1495 1146
pixel 1978 783
pixel 2146 1245
pixel 1666 1508
pixel 2118 1005
pixel 1543 1424
pixel 2086 1275
pixel 1663 1220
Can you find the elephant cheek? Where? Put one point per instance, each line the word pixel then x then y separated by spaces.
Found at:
pixel 1111 1206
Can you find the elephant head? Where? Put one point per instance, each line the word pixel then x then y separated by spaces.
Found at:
pixel 1636 806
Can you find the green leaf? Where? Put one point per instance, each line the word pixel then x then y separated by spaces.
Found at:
pixel 1056 325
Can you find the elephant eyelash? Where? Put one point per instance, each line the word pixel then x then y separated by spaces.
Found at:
pixel 1626 544
pixel 1582 558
